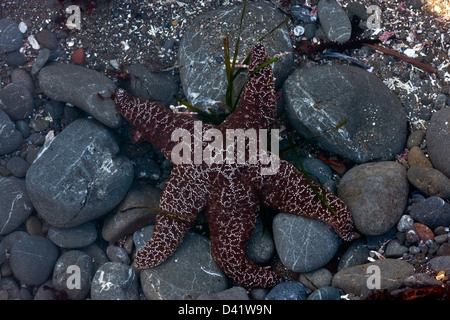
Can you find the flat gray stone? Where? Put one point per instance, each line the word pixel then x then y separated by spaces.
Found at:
pixel 189 272
pixel 334 21
pixel 78 176
pixel 81 87
pixel 10 36
pixel 303 244
pixel 318 99
pixel 15 204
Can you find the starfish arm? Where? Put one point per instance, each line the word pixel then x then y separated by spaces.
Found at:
pixel 182 201
pixel 257 106
pixel 155 122
pixel 288 191
pixel 232 219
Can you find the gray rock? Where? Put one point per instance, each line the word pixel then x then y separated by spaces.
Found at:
pixel 290 290
pixel 156 86
pixel 10 36
pixel 234 293
pixel 15 205
pixel 415 139
pixel 405 223
pixel 22 77
pixel 15 59
pixel 394 249
pixel 433 212
pixel 73 274
pixel 76 237
pixel 438 264
pixel 115 281
pixel 318 169
pixel 10 137
pixel 81 87
pixel 320 98
pixel 430 181
pixel 355 279
pixel 334 21
pixel 121 224
pixel 9 288
pixel 421 280
pixel 376 194
pixel 203 78
pixel 32 259
pixel 356 254
pixel 16 101
pixel 316 279
pixel 326 293
pixel 47 39
pixel 117 254
pixel 189 272
pixel 261 247
pixel 11 238
pixel 41 60
pixel 303 244
pixel 18 166
pixel 97 255
pixel 78 175
pixel 438 140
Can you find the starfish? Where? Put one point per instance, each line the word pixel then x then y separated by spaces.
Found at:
pixel 229 192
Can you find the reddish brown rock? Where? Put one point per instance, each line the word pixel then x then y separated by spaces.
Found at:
pixel 423 231
pixel 79 56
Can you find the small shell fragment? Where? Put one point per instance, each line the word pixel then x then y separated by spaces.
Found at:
pixel 440 275
pixel 298 31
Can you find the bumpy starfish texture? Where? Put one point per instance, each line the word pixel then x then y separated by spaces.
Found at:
pixel 230 193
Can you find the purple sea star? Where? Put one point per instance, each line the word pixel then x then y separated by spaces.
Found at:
pixel 230 194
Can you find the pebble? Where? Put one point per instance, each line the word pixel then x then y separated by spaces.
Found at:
pixel 430 181
pixel 376 194
pixel 79 56
pixel 117 254
pixel 59 81
pixel 41 60
pixel 73 273
pixel 22 77
pixel 354 279
pixel 121 224
pixel 34 226
pixel 356 254
pixel 416 157
pixel 289 290
pixel 302 14
pixel 76 237
pixel 395 250
pixel 303 244
pixel 15 204
pixel 438 142
pixel 334 21
pixel 319 98
pixel 199 69
pixel 444 249
pixel 260 247
pixel 316 279
pixel 423 231
pixel 16 101
pixel 115 281
pixel 415 139
pixel 15 59
pixel 18 166
pixel 11 37
pixel 78 175
pixel 23 127
pixel 32 259
pixel 438 264
pixel 189 272
pixel 47 39
pixel 412 236
pixel 326 293
pixel 10 137
pixel 420 280
pixel 405 223
pixel 433 212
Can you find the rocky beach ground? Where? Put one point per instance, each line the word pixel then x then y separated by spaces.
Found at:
pixel 375 132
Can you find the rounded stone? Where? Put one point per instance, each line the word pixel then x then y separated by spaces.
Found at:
pixel 10 36
pixel 430 181
pixel 433 212
pixel 32 259
pixel 115 281
pixel 303 244
pixel 76 237
pixel 376 194
pixel 73 273
pixel 318 99
pixel 438 140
